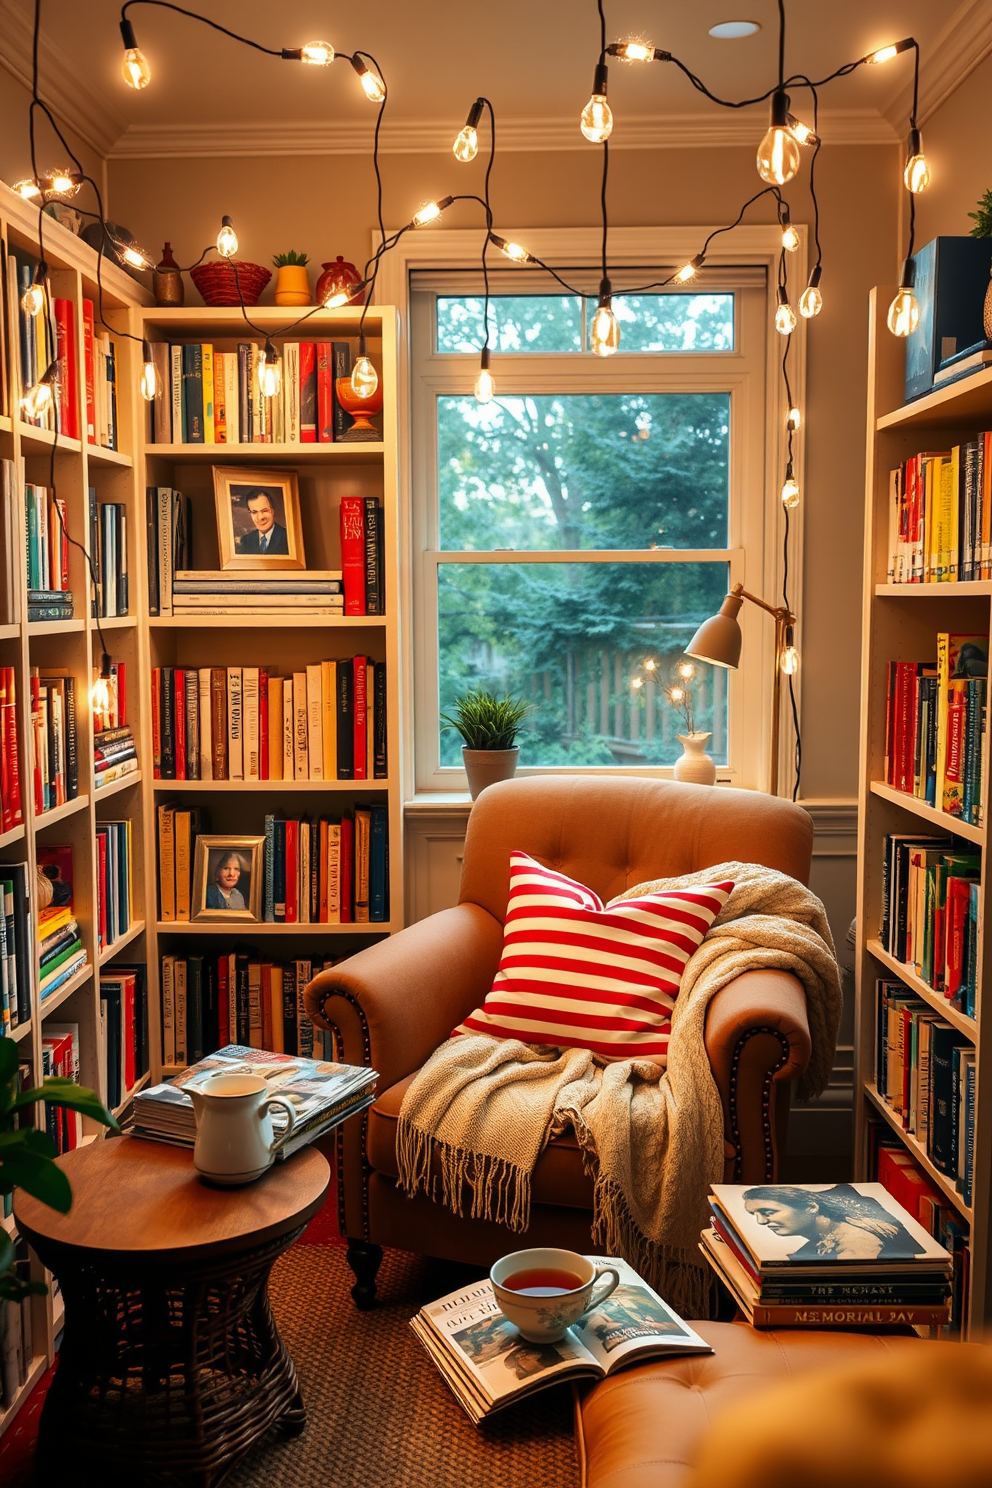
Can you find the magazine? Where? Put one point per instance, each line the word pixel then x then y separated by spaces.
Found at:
pixel 488 1365
pixel 813 1226
pixel 322 1093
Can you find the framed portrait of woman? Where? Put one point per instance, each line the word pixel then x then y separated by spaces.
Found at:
pixel 258 518
pixel 227 878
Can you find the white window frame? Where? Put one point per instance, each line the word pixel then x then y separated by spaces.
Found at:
pixel 751 373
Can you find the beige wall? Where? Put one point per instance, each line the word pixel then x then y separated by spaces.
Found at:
pixel 956 141
pixel 15 152
pixel 327 206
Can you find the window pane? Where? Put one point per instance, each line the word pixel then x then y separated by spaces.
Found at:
pixel 603 470
pixel 593 646
pixel 675 322
pixel 516 323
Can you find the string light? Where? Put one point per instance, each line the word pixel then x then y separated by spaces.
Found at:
pixel 795 419
pixel 485 386
pixel 886 53
pixel 430 211
pixel 790 488
pixel 686 670
pixel 604 333
pixel 637 683
pixel 33 298
pixel 632 51
pixel 372 84
pixel 364 377
pixel 336 300
pixel 904 312
pixel 513 251
pixel 102 691
pixel 28 190
pixel 811 300
pixel 61 183
pixel 790 237
pixel 690 270
pixel 227 238
pixel 596 119
pixel 137 73
pixel 127 250
pixel 317 53
pixel 650 665
pixel 801 132
pixel 149 373
pixel 789 661
pixel 466 145
pixel 778 153
pixel 39 399
pixel 917 172
pixel 785 316
pixel 269 371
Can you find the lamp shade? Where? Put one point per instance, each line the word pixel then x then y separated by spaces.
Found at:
pixel 718 639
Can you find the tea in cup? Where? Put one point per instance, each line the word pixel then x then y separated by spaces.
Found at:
pixel 544 1291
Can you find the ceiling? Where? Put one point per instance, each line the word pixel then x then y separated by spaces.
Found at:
pixel 534 60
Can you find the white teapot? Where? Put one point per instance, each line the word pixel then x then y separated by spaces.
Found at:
pixel 235 1142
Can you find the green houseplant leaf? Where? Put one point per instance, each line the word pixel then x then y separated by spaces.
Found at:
pixel 290 257
pixel 486 721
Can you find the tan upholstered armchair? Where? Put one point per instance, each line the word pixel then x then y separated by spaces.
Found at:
pixel 393 1004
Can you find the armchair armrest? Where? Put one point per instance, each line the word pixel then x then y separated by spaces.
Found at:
pixel 758 1043
pixel 395 1002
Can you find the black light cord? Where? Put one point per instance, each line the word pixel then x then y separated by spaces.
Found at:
pixel 214 25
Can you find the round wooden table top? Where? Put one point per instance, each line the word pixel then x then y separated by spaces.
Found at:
pixel 145 1199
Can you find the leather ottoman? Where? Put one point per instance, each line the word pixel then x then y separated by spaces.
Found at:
pixel 644 1427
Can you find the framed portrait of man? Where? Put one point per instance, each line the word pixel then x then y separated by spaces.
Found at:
pixel 258 518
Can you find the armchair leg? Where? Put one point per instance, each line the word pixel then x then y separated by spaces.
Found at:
pixel 364 1259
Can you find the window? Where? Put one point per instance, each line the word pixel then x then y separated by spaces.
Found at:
pixel 571 535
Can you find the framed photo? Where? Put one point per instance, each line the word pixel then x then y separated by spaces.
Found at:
pixel 227 878
pixel 258 518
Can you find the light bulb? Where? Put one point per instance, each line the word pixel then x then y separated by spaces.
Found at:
pixel 269 372
pixel 372 85
pixel 227 239
pixel 636 683
pixel 485 386
pixel 676 694
pixel 317 53
pixel 28 190
pixel 802 132
pixel 785 316
pixel 687 670
pixel 102 691
pixel 689 270
pixel 596 120
pixel 33 299
pixel 650 665
pixel 604 333
pixel 431 210
pixel 137 73
pixel 790 238
pixel 790 661
pixel 514 251
pixel 149 375
pixel 38 399
pixel 364 378
pixel 904 313
pixel 466 146
pixel 795 419
pixel 134 256
pixel 633 51
pixel 917 174
pixel 61 183
pixel 810 302
pixel 778 153
pixel 886 53
pixel 336 300
pixel 790 488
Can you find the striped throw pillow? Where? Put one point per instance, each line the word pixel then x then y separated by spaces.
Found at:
pixel 580 976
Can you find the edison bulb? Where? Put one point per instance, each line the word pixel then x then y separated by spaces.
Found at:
pixel 596 120
pixel 778 156
pixel 37 400
pixel 137 73
pixel 61 183
pixel 102 695
pixel 33 299
pixel 636 51
pixel 516 252
pixel 810 303
pixel 904 313
pixel 374 87
pixel 364 378
pixel 149 381
pixel 269 378
pixel 466 146
pixel 917 174
pixel 426 214
pixel 28 190
pixel 790 239
pixel 686 272
pixel 802 132
pixel 604 334
pixel 134 256
pixel 227 239
pixel 790 661
pixel 795 419
pixel 317 53
pixel 785 319
pixel 335 300
pixel 677 694
pixel 790 492
pixel 650 665
pixel 637 683
pixel 686 670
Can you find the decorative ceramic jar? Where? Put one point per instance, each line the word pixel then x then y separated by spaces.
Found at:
pixel 361 409
pixel 694 765
pixel 340 277
pixel 167 281
pixel 292 285
pixel 487 766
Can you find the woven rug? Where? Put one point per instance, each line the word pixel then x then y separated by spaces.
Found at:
pixel 379 1414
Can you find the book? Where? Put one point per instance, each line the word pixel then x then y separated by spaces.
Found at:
pixel 353 569
pixel 488 1365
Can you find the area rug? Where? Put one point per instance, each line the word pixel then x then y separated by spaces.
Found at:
pixel 379 1414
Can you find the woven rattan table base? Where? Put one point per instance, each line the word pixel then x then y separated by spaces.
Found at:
pixel 167 1374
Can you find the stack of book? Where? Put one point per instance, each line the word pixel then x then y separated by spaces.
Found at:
pixel 11 809
pixel 60 949
pixel 214 397
pixel 326 871
pixel 108 549
pixel 815 1255
pixel 16 1337
pixel 123 1041
pixel 935 724
pixel 53 738
pixel 60 1056
pixel 44 340
pixel 925 1072
pixel 279 595
pixel 909 1184
pixel 363 555
pixel 930 896
pixel 210 1001
pixel 113 881
pixel 15 946
pixel 244 723
pixel 9 536
pixel 940 515
pixel 49 595
pixel 115 755
pixel 322 1094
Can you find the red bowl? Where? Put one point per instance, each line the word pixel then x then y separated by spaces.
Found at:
pixel 218 286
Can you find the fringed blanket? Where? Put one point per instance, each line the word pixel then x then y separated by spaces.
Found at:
pixel 479 1114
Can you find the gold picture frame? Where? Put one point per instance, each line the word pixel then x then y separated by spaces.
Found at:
pixel 217 893
pixel 250 533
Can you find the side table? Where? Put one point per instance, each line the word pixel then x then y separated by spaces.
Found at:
pixel 171 1365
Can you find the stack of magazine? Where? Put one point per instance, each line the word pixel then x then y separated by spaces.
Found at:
pixel 488 1364
pixel 823 1255
pixel 322 1094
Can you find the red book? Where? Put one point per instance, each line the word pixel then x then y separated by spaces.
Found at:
pixel 12 798
pixel 263 728
pixel 360 717
pixel 119 669
pixel 65 333
pixel 292 870
pixel 179 723
pixel 39 742
pixel 325 393
pixel 353 554
pixel 89 363
pixel 347 868
pixel 101 888
pixel 223 1004
pixel 156 723
pixel 128 1023
pixel 904 727
pixel 308 393
pixel 957 920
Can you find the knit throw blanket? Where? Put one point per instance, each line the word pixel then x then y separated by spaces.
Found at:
pixel 480 1112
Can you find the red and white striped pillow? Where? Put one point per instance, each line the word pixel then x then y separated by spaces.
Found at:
pixel 580 976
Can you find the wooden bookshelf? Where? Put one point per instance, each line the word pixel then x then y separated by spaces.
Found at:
pixel 901 622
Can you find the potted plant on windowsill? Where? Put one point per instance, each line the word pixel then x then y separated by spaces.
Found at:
pixel 489 726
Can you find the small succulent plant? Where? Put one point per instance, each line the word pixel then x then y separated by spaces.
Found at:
pixel 292 257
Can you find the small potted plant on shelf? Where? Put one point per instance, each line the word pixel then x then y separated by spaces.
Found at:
pixel 694 764
pixel 983 229
pixel 292 280
pixel 489 726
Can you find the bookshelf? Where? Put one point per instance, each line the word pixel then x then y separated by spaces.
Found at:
pixel 901 621
pixel 70 646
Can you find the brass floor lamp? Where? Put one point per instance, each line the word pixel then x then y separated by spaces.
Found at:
pixel 718 641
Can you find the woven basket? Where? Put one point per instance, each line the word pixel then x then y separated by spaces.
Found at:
pixel 217 284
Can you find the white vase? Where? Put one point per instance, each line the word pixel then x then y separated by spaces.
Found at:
pixel 694 764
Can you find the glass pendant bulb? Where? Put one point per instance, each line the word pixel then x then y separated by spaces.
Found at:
pixel 372 85
pixel 795 419
pixel 227 239
pixel 790 661
pixel 917 172
pixel 38 399
pixel 466 145
pixel 811 300
pixel 778 153
pixel 269 372
pixel 596 119
pixel 33 298
pixel 430 211
pixel 633 51
pixel 604 333
pixel 790 238
pixel 61 183
pixel 689 270
pixel 785 316
pixel 149 374
pixel 102 691
pixel 132 255
pixel 335 301
pixel 485 385
pixel 886 53
pixel 904 313
pixel 790 489
pixel 317 53
pixel 364 377
pixel 28 189
pixel 137 73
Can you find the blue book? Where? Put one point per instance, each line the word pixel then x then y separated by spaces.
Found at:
pixel 279 872
pixel 268 887
pixel 193 393
pixel 969 1130
pixel 378 864
pixel 943 1104
pixel 952 275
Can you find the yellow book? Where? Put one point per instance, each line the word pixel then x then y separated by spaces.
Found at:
pixel 220 397
pixel 182 840
pixel 167 859
pixel 209 422
pixel 329 699
pixel 315 721
pixel 275 728
pixel 950 478
pixel 943 655
pixel 288 750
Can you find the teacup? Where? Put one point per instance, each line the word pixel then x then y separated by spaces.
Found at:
pixel 542 1312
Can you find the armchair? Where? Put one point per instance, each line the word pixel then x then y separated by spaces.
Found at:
pixel 394 1003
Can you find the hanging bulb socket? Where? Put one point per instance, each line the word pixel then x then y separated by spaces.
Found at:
pixel 485 386
pixel 904 312
pixel 604 333
pixel 430 211
pixel 785 316
pixel 227 238
pixel 136 72
pixel 811 300
pixel 372 85
pixel 778 153
pixel 596 119
pixel 33 298
pixel 886 53
pixel 514 251
pixel 789 660
pixel 917 172
pixel 466 145
pixel 790 488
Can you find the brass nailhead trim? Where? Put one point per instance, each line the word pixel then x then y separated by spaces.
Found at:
pixel 766 1124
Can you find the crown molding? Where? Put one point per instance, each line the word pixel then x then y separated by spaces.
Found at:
pixel 958 48
pixel 426 137
pixel 81 109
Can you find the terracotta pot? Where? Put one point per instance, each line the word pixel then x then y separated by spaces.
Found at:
pixel 292 285
pixel 488 766
pixel 340 277
pixel 694 765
